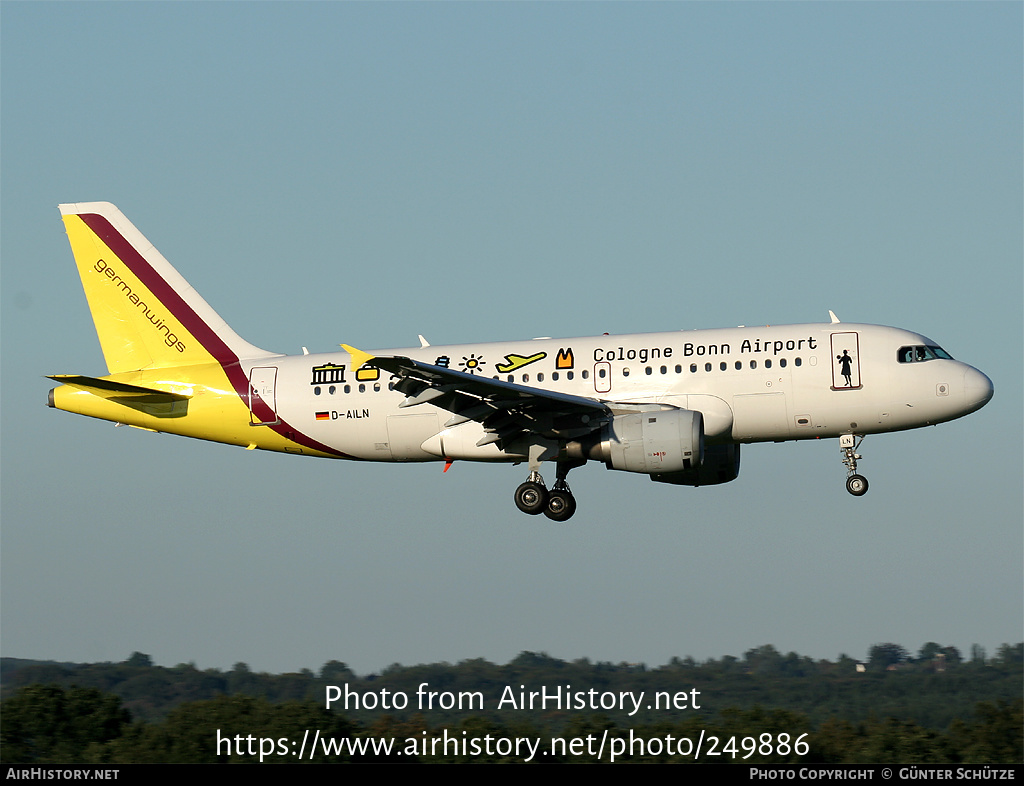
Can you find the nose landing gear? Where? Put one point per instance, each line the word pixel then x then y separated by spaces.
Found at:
pixel 855 484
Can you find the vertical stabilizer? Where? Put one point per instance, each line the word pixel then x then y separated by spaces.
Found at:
pixel 146 314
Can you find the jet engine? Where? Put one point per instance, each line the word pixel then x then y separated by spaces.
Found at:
pixel 720 465
pixel 651 441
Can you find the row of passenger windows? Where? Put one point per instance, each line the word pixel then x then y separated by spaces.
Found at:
pixel 348 388
pixel 602 373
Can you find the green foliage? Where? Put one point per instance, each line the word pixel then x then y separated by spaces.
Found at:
pixel 884 656
pixel 927 709
pixel 54 725
pixel 997 735
pixel 335 672
pixel 235 729
pixel 46 724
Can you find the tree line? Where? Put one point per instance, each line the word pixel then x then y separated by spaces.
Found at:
pixel 932 706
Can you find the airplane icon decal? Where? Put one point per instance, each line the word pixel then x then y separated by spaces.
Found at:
pixel 514 362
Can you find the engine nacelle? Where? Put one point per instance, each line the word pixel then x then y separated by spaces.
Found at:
pixel 721 464
pixel 652 441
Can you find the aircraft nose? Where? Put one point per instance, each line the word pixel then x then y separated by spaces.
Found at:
pixel 977 389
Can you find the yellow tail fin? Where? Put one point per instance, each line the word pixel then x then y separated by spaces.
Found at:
pixel 146 314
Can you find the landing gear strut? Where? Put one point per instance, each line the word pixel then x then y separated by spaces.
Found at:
pixel 855 484
pixel 561 502
pixel 558 504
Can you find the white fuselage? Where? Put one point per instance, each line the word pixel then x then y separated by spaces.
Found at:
pixel 760 384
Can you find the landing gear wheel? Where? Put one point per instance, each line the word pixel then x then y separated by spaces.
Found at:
pixel 531 498
pixel 857 485
pixel 561 505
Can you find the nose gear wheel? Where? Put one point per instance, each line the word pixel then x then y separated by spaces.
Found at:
pixel 855 484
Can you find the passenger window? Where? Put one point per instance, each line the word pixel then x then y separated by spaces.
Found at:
pixel 664 370
pixel 767 364
pixel 782 363
pixel 707 367
pixel 739 365
pixel 723 365
pixel 753 364
pixel 648 371
pixel 625 372
pixel 693 368
pixel 797 362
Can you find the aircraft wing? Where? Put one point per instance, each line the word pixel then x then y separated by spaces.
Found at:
pixel 506 410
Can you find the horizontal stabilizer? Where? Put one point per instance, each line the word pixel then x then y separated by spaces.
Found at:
pixel 106 387
pixel 159 403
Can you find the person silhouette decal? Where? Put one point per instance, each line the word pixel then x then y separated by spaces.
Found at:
pixel 845 363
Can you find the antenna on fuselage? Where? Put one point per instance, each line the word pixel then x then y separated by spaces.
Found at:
pixel 831 314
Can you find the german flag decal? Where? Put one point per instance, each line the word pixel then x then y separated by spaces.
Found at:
pixel 323 415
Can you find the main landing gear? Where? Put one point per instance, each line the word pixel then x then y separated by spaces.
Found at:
pixel 855 484
pixel 558 504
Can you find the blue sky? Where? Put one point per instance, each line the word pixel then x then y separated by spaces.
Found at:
pixel 362 173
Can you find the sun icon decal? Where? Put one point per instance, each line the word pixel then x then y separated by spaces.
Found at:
pixel 472 364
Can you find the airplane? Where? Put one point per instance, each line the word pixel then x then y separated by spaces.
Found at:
pixel 674 406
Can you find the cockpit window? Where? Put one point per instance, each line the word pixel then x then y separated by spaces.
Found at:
pixel 919 354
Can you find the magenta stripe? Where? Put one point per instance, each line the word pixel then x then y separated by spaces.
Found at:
pixel 195 325
pixel 164 292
